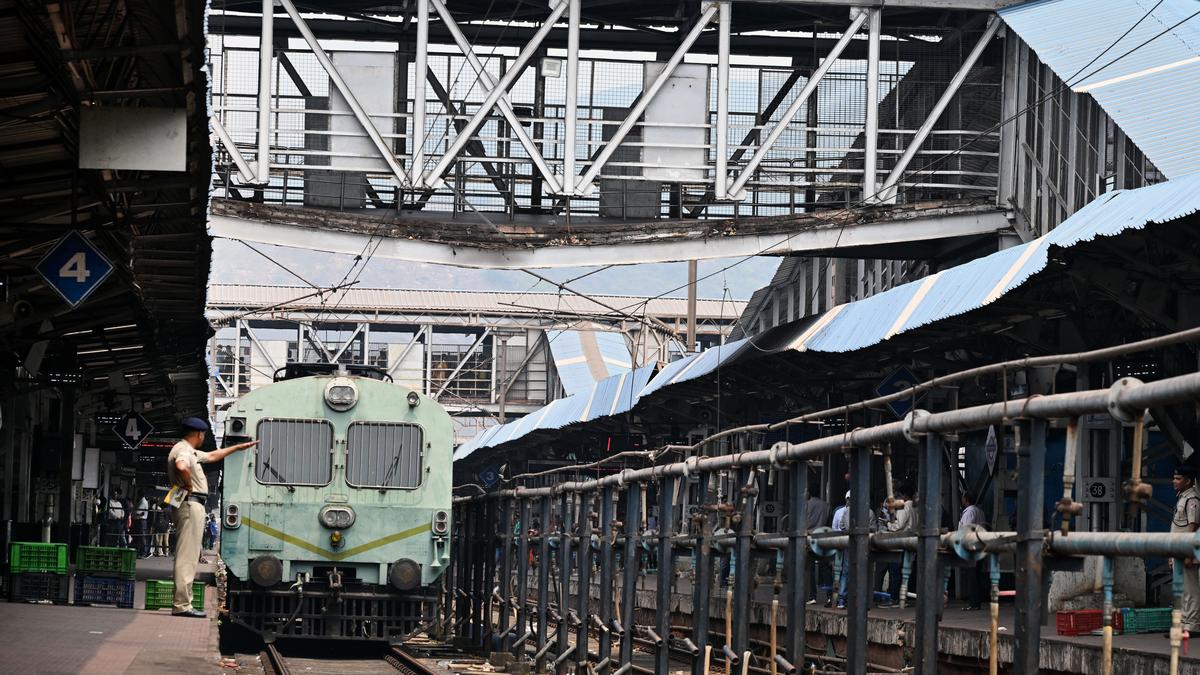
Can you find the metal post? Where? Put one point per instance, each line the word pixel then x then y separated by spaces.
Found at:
pixel 572 111
pixel 859 591
pixel 543 599
pixel 629 574
pixel 744 572
pixel 606 576
pixel 702 583
pixel 335 79
pixel 487 578
pixel 736 190
pixel 1031 458
pixel 485 109
pixel 871 132
pixel 420 64
pixel 519 635
pixel 721 175
pixel 691 303
pixel 888 192
pixel 644 101
pixel 797 561
pixel 564 572
pixel 666 572
pixel 929 597
pixel 266 53
pixel 584 520
pixel 469 553
pixel 506 570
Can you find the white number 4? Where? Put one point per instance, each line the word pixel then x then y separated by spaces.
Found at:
pixel 132 432
pixel 75 268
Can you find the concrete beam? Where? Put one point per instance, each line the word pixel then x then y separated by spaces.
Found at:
pixel 813 240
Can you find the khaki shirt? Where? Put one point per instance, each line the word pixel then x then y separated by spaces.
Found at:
pixel 1187 511
pixel 194 459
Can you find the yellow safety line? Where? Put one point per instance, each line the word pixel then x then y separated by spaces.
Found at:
pixel 331 555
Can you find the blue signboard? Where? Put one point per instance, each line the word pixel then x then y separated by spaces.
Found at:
pixel 900 379
pixel 132 429
pixel 74 268
pixel 489 476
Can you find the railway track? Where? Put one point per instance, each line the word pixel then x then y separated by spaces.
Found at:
pixel 394 660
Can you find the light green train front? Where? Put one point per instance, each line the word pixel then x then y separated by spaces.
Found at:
pixel 337 524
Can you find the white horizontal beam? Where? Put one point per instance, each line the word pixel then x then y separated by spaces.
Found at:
pixel 813 240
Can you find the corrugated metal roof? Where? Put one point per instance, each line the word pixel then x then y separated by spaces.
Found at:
pixel 244 296
pixel 1152 93
pixel 611 396
pixel 583 358
pixel 868 322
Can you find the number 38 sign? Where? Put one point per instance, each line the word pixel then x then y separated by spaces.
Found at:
pixel 74 268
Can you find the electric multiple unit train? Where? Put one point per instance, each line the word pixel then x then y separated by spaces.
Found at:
pixel 337 525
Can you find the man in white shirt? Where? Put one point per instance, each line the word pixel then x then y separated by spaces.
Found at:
pixel 902 521
pixel 141 538
pixel 185 474
pixel 975 577
pixel 841 523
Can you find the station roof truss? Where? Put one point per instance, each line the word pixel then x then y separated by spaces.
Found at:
pixel 139 338
pixel 1084 285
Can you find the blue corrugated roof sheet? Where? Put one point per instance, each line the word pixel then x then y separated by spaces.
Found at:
pixel 1153 92
pixel 868 322
pixel 583 358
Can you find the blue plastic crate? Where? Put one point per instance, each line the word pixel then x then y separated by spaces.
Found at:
pixel 91 590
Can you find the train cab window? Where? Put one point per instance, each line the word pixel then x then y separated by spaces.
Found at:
pixel 383 455
pixel 294 452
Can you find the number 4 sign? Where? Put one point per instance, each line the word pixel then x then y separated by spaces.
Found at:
pixel 133 429
pixel 74 268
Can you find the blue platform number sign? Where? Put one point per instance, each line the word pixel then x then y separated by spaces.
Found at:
pixel 132 429
pixel 899 380
pixel 489 476
pixel 74 268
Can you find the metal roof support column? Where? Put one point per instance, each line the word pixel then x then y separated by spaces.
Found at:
pixel 737 190
pixel 522 632
pixel 859 591
pixel 237 358
pixel 887 194
pixel 566 501
pixel 724 19
pixel 1031 467
pixel 585 557
pixel 572 112
pixel 261 349
pixel 871 132
pixel 666 573
pixel 607 565
pixel 434 176
pixel 584 185
pixel 543 597
pixel 416 144
pixel 506 109
pixel 629 573
pixel 798 568
pixel 506 571
pixel 266 53
pixel 487 545
pixel 335 78
pixel 743 574
pixel 702 584
pixel 1010 102
pixel 929 595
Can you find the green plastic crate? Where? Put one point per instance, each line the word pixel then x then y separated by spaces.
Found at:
pixel 37 557
pixel 160 593
pixel 1148 620
pixel 106 561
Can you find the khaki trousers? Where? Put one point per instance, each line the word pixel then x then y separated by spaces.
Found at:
pixel 189 525
pixel 1191 597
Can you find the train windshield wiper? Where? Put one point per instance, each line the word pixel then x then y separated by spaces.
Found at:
pixel 392 467
pixel 280 477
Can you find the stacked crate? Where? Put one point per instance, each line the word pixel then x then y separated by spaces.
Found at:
pixel 105 576
pixel 38 572
pixel 160 594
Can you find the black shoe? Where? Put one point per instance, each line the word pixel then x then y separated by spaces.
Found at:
pixel 829 603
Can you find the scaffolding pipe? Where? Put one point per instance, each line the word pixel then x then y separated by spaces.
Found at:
pixel 266 58
pixel 421 61
pixel 721 175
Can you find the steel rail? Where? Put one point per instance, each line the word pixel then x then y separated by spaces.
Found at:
pixel 273 661
pixel 406 663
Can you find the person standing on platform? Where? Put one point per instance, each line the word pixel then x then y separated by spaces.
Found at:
pixel 1187 519
pixel 976 576
pixel 141 531
pixel 189 494
pixel 817 512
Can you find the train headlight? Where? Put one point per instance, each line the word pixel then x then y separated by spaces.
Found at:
pixel 233 516
pixel 441 523
pixel 405 574
pixel 414 399
pixel 341 394
pixel 337 516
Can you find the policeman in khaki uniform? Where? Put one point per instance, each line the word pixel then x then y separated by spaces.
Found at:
pixel 188 479
pixel 1187 519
